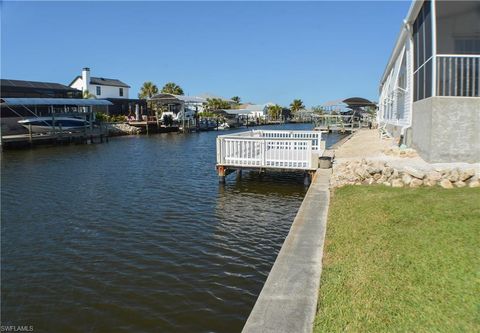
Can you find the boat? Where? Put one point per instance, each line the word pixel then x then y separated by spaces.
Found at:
pixel 45 124
pixel 223 126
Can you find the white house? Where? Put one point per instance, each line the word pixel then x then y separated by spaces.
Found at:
pixel 100 87
pixel 258 110
pixel 430 89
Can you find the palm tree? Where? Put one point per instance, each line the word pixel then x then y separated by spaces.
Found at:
pixel 147 91
pixel 87 95
pixel 318 110
pixel 296 105
pixel 214 104
pixel 172 88
pixel 236 99
pixel 274 111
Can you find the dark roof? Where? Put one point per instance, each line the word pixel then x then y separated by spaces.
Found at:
pixel 101 81
pixel 54 101
pixel 108 82
pixel 34 85
pixel 358 101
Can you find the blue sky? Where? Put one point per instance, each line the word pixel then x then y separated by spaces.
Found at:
pixel 260 51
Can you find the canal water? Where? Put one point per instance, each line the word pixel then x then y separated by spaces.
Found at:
pixel 137 235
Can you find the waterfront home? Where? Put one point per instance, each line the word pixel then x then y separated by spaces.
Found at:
pixel 254 112
pixel 113 90
pixel 10 114
pixel 258 110
pixel 100 87
pixel 430 89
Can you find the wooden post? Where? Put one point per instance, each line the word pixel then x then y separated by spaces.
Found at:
pixel 91 118
pixel 53 122
pixel 30 133
pixel 222 171
pixel 306 179
pixel 183 122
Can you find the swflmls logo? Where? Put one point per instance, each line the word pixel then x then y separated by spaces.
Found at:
pixel 26 328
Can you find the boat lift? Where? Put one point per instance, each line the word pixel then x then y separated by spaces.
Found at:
pixel 31 106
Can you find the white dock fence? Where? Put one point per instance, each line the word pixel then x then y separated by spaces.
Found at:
pixel 298 150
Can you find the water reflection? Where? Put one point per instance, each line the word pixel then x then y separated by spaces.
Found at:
pixel 136 235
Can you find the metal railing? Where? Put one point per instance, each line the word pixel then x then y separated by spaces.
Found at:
pixel 271 149
pixel 458 75
pixel 339 122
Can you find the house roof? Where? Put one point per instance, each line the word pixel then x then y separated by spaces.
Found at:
pixel 406 25
pixel 34 85
pixel 257 107
pixel 237 112
pixel 101 81
pixel 358 101
pixel 352 101
pixel 182 98
pixel 54 101
pixel 211 96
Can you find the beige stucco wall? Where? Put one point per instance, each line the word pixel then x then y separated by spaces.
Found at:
pixel 447 129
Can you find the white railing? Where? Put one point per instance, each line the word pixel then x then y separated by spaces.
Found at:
pixel 271 149
pixel 458 75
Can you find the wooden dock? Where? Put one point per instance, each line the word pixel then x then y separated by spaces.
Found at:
pixel 28 140
pixel 269 150
pixel 338 123
pixel 153 126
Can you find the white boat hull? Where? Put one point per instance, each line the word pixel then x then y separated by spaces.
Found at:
pixel 46 124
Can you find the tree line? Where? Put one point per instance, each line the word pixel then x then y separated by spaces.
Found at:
pixel 149 89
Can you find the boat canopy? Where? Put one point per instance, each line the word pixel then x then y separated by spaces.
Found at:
pixel 10 101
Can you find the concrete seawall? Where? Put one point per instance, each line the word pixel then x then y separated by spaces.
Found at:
pixel 288 300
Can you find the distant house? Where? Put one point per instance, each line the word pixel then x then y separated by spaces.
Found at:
pixel 100 87
pixel 29 89
pixel 430 89
pixel 258 110
pixel 20 99
pixel 113 90
pixel 252 112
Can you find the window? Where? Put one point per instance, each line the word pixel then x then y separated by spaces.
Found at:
pixel 458 38
pixel 99 90
pixel 458 27
pixel 120 91
pixel 422 39
pixel 402 87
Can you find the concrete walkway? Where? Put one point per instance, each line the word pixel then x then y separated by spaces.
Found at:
pixel 364 143
pixel 288 301
pixel 367 144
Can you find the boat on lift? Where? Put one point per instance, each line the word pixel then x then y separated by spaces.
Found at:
pixel 49 124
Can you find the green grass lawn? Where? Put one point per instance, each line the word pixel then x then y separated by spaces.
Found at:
pixel 401 260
